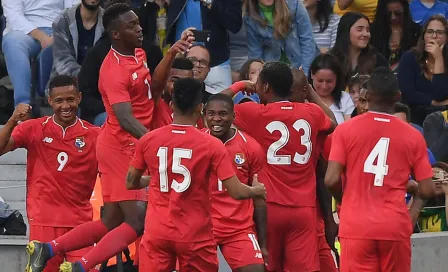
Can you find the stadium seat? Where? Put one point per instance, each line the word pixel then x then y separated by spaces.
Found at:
pixel 44 64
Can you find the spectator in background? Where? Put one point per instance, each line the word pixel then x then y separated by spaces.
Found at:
pixel 324 22
pixel 218 17
pixel 422 10
pixel 435 130
pixel 352 47
pixel 366 7
pixel 200 57
pixel 326 79
pixel 92 107
pixel 75 31
pixel 279 31
pixel 433 218
pixel 393 31
pixel 356 86
pixel 28 31
pixel 250 71
pixel 423 73
pixel 403 113
pixel 238 51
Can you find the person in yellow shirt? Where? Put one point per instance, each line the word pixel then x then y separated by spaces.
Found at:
pixel 366 7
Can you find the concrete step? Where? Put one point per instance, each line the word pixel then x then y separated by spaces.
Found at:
pixel 17 156
pixel 12 172
pixel 13 190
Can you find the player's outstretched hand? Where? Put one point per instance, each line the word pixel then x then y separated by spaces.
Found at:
pixel 183 45
pixel 21 113
pixel 259 189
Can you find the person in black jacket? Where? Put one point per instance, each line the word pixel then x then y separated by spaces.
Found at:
pixel 218 17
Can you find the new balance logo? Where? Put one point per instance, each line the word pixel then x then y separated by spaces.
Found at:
pixel 258 256
pixel 48 140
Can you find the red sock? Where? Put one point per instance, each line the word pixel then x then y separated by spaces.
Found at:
pixel 112 243
pixel 80 237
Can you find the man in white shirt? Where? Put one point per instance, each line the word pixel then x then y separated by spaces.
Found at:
pixel 28 31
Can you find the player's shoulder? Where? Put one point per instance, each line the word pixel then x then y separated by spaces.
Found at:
pixel 140 53
pixel 247 139
pixel 89 127
pixel 249 106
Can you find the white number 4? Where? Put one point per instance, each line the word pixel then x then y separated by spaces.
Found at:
pixel 176 168
pixel 379 152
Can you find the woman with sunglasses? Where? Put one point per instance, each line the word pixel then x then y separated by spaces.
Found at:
pixel 423 73
pixel 393 31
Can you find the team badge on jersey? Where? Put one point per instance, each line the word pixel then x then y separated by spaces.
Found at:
pixel 239 158
pixel 79 142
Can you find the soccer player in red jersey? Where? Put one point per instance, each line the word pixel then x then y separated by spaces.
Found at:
pixel 163 113
pixel 127 90
pixel 60 148
pixel 180 159
pixel 377 160
pixel 233 221
pixel 287 133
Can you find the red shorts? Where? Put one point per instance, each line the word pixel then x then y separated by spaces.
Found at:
pixel 292 238
pixel 375 255
pixel 113 166
pixel 241 249
pixel 48 234
pixel 159 255
pixel 326 258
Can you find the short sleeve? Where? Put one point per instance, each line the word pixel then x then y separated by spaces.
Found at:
pixel 421 168
pixel 338 147
pixel 256 159
pixel 323 122
pixel 114 81
pixel 23 134
pixel 246 114
pixel 138 161
pixel 221 163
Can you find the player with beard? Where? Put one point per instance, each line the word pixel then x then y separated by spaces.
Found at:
pixel 376 160
pixel 127 90
pixel 181 160
pixel 163 113
pixel 60 147
pixel 233 221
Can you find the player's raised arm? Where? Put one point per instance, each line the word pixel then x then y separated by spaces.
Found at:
pixel 240 86
pixel 162 71
pixel 240 191
pixel 6 141
pixel 127 121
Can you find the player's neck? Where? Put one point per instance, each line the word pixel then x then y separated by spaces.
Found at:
pixel 184 120
pixel 278 99
pixel 64 124
pixel 381 109
pixel 228 135
pixel 123 50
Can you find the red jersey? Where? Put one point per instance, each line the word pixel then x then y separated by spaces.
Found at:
pixel 230 215
pixel 379 152
pixel 61 171
pixel 180 160
pixel 125 79
pixel 287 133
pixel 320 142
pixel 163 116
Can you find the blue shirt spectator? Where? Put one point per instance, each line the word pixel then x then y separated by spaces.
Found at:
pixel 422 11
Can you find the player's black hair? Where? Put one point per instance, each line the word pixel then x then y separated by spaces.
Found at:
pixel 224 98
pixel 187 95
pixel 400 107
pixel 384 85
pixel 112 13
pixel 62 81
pixel 279 77
pixel 109 3
pixel 182 64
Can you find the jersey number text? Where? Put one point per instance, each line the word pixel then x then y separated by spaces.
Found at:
pixel 305 140
pixel 62 160
pixel 379 152
pixel 176 168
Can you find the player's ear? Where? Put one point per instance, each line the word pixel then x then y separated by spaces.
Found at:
pixel 50 101
pixel 199 109
pixel 79 97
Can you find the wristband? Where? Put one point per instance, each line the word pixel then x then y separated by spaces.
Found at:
pixel 237 87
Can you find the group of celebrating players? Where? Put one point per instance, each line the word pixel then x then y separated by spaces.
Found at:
pixel 249 183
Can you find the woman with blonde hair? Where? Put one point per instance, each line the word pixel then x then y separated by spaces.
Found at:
pixel 279 30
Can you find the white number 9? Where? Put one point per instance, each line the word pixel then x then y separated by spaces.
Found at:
pixel 62 160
